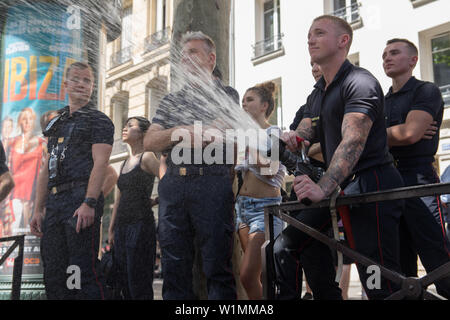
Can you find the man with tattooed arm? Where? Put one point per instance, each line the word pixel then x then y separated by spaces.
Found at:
pixel 352 135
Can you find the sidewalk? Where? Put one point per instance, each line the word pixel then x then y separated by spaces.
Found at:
pixel 355 288
pixel 354 292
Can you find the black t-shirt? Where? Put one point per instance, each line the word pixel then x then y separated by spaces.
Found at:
pixel 3 166
pixel 309 110
pixel 76 133
pixel 353 89
pixel 298 117
pixel 415 95
pixel 187 106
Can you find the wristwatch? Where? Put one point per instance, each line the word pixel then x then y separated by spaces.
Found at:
pixel 91 202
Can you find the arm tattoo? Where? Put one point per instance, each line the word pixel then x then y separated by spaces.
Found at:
pixel 355 130
pixel 305 129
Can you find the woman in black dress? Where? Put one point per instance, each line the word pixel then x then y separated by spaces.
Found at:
pixel 132 232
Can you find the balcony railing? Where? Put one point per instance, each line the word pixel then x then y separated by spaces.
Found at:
pixel 121 56
pixel 119 147
pixel 418 3
pixel 445 91
pixel 349 14
pixel 269 45
pixel 157 40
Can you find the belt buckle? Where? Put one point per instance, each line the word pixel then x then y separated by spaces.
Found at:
pixel 54 190
pixel 183 171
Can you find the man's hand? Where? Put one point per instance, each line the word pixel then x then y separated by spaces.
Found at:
pixel 431 131
pixel 290 138
pixel 304 187
pixel 85 215
pixel 35 224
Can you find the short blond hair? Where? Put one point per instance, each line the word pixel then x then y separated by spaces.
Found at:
pixel 342 25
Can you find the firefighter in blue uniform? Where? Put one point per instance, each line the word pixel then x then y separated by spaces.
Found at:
pixel 69 203
pixel 411 108
pixel 195 200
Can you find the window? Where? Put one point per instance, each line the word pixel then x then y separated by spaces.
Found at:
pixel 271 19
pixel 268 28
pixel 158 32
pixel 156 16
pixel 347 10
pixel 160 15
pixel 125 39
pixel 440 51
pixel 156 89
pixel 125 52
pixel 277 115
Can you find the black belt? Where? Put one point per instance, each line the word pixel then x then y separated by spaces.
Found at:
pixel 198 171
pixel 67 186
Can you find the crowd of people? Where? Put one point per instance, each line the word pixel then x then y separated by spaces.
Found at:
pixel 364 140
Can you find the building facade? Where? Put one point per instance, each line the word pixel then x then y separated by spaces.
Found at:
pixel 271 44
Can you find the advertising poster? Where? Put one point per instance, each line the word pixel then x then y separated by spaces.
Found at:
pixel 38 43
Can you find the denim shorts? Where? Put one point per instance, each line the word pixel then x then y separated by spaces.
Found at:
pixel 250 212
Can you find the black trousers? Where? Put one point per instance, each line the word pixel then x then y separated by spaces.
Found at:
pixel 62 247
pixel 201 208
pixel 422 228
pixel 372 227
pixel 134 255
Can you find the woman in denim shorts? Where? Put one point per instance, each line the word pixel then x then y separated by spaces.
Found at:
pixel 260 188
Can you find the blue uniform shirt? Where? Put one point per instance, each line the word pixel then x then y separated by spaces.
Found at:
pixel 353 89
pixel 415 95
pixel 76 133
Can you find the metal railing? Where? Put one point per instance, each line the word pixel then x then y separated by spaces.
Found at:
pixel 156 40
pixel 19 241
pixel 266 46
pixel 121 57
pixel 349 14
pixel 411 288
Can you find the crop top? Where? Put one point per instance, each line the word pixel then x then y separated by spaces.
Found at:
pixel 275 180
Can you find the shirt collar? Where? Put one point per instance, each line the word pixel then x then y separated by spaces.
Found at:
pixel 342 71
pixel 409 85
pixel 81 110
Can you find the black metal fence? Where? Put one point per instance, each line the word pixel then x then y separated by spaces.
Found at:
pixel 156 40
pixel 18 263
pixel 121 57
pixel 411 288
pixel 266 46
